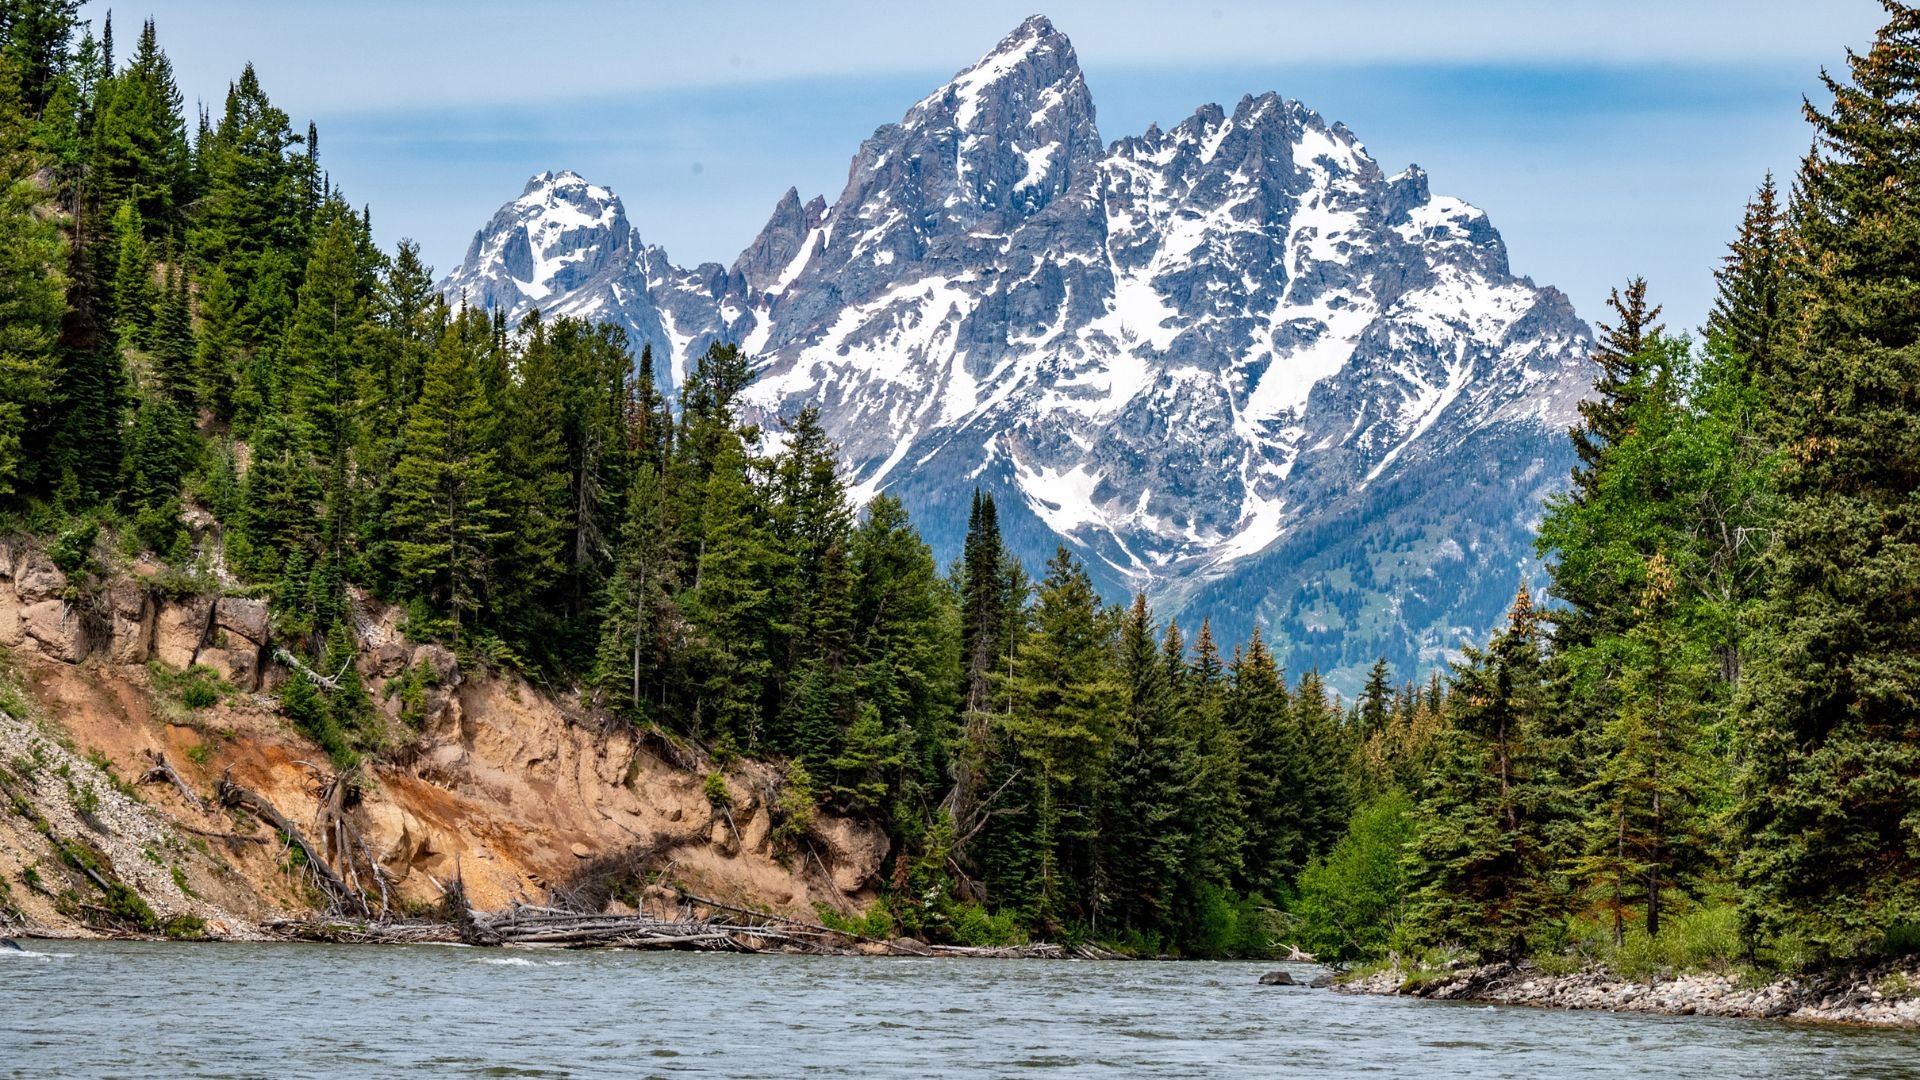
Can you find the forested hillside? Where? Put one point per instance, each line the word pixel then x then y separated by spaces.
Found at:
pixel 1705 747
pixel 1708 729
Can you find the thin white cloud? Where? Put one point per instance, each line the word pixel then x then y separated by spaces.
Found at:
pixel 364 54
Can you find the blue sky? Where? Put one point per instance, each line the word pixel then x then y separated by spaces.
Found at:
pixel 1605 139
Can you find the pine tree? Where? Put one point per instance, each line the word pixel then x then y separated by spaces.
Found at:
pixel 408 319
pixel 1323 797
pixel 1260 713
pixel 1065 700
pixel 1646 838
pixel 984 644
pixel 1145 829
pixel 870 754
pixel 160 450
pixel 173 344
pixel 279 500
pixel 249 223
pixel 1479 861
pixel 1219 815
pixel 533 460
pixel 136 298
pixel 730 601
pixel 216 357
pixel 1748 310
pixel 446 504
pixel 812 528
pixel 33 284
pixel 638 613
pixel 1619 356
pixel 34 37
pixel 139 136
pixel 1376 699
pixel 323 347
pixel 1832 790
pixel 905 642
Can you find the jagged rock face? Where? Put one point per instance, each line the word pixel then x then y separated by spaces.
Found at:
pixel 1232 364
pixel 565 247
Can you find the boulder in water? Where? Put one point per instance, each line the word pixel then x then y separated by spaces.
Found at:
pixel 1320 982
pixel 1278 978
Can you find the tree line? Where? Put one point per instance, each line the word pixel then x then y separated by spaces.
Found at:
pixel 209 360
pixel 1707 744
pixel 204 356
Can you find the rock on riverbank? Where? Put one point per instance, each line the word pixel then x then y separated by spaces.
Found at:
pixel 1884 996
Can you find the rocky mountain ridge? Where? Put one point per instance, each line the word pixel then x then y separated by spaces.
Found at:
pixel 1233 363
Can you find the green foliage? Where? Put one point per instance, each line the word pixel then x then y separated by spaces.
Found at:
pixel 340 721
pixel 794 807
pixel 199 687
pixel 448 498
pixel 715 789
pixel 973 925
pixel 1830 799
pixel 1227 924
pixel 1480 854
pixel 72 550
pixel 1350 900
pixel 184 928
pixel 875 922
pixel 1714 713
pixel 119 902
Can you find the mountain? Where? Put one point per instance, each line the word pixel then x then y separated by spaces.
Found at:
pixel 1233 363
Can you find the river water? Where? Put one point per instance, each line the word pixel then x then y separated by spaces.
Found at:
pixel 125 1009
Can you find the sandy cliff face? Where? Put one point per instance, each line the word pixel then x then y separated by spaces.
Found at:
pixel 521 794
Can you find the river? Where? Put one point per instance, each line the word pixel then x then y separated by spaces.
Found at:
pixel 127 1009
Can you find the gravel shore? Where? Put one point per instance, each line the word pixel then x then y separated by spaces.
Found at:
pixel 1884 996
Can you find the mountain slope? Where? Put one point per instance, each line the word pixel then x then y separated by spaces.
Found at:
pixel 1232 363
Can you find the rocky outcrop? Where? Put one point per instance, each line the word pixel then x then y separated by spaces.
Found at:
pixel 35 577
pixel 180 627
pixel 132 614
pixel 1884 996
pixel 237 645
pixel 56 629
pixel 856 850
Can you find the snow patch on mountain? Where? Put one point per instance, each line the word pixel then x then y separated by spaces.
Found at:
pixel 1185 354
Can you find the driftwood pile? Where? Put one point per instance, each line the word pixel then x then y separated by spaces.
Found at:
pixel 700 924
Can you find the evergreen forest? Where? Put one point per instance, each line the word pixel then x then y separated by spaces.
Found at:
pixel 1702 743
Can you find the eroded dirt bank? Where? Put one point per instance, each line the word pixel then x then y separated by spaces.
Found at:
pixel 115 774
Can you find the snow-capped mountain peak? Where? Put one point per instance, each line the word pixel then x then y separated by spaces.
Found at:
pixel 556 236
pixel 1229 362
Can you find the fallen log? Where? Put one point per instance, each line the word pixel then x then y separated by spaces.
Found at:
pixel 329 684
pixel 233 795
pixel 161 770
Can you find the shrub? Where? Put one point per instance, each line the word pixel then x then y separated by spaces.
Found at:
pixel 185 928
pixel 1350 899
pixel 72 550
pixel 1228 924
pixel 793 807
pixel 974 925
pixel 875 922
pixel 1708 936
pixel 199 695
